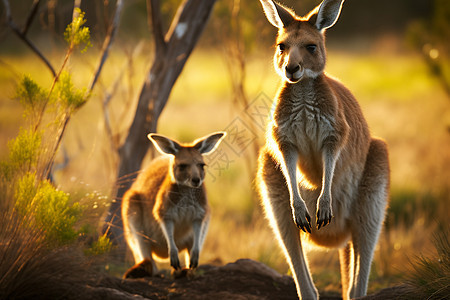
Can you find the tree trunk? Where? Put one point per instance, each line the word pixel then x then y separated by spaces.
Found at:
pixel 171 55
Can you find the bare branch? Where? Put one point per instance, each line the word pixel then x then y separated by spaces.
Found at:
pixel 30 44
pixel 31 16
pixel 23 37
pixel 154 12
pixel 7 10
pixel 105 103
pixel 107 42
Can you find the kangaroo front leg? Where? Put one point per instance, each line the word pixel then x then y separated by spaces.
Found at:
pixel 324 210
pixel 300 213
pixel 195 251
pixel 168 228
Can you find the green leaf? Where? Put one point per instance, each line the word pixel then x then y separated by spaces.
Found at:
pixel 70 97
pixel 76 34
pixel 24 150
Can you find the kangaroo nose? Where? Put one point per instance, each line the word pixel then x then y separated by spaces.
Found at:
pixel 292 69
pixel 195 181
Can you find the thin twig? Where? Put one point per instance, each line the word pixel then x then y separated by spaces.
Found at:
pixel 22 36
pixel 48 167
pixel 107 43
pixel 31 16
pixel 55 80
pixel 111 93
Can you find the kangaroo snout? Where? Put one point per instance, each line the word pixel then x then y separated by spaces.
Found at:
pixel 196 182
pixel 292 69
pixel 293 72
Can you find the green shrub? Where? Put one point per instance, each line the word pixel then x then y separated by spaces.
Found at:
pixel 69 97
pixel 45 207
pixel 33 99
pixel 24 152
pixel 25 190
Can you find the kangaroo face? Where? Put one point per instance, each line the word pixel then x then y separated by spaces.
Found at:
pixel 188 168
pixel 300 43
pixel 300 52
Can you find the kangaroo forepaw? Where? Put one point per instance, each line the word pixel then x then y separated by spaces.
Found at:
pixel 194 260
pixel 193 264
pixel 175 261
pixel 324 217
pixel 304 222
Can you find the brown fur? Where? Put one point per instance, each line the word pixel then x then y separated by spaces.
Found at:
pixel 166 210
pixel 320 170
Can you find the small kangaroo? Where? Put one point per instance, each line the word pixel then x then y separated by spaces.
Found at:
pixel 320 171
pixel 166 208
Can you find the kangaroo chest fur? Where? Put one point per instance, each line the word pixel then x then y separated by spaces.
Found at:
pixel 183 205
pixel 305 120
pixel 185 208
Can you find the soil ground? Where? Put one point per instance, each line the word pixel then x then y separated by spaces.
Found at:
pixel 243 279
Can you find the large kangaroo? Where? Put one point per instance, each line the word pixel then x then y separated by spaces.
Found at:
pixel 166 208
pixel 320 170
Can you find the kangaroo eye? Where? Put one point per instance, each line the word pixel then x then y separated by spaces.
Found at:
pixel 311 48
pixel 182 167
pixel 202 165
pixel 281 47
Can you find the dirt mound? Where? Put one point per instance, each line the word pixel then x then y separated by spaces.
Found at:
pixel 243 279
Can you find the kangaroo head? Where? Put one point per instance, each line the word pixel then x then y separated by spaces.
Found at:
pixel 301 42
pixel 187 165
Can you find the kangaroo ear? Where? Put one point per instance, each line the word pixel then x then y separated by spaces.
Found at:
pixel 163 144
pixel 277 14
pixel 209 143
pixel 328 13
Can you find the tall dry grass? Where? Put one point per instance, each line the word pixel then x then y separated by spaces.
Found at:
pixel 430 276
pixel 30 268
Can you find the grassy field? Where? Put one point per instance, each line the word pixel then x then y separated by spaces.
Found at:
pixel 401 101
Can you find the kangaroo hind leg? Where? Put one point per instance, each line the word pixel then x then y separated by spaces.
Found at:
pixel 369 214
pixel 346 262
pixel 138 242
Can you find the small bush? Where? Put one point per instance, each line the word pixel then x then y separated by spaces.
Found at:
pixel 24 187
pixel 37 219
pixel 47 208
